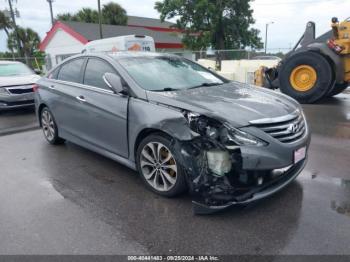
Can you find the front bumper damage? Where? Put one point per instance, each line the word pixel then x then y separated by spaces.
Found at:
pixel 212 192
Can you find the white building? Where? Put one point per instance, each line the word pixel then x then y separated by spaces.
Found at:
pixel 67 38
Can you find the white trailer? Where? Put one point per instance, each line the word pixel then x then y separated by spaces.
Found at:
pixel 121 43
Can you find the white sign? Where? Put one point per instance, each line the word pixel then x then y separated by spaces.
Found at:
pixel 139 45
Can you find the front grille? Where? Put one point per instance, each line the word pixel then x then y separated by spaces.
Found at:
pixel 286 129
pixel 17 90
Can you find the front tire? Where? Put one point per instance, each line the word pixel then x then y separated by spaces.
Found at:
pixel 49 127
pixel 306 76
pixel 158 165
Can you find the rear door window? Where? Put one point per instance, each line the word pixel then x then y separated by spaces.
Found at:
pixel 95 69
pixel 70 71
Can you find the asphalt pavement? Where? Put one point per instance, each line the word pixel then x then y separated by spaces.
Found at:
pixel 17 120
pixel 68 200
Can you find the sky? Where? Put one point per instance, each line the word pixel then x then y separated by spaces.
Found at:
pixel 289 17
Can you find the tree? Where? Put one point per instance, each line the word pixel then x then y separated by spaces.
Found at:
pixel 66 17
pixel 222 24
pixel 114 14
pixel 29 41
pixel 87 15
pixel 6 25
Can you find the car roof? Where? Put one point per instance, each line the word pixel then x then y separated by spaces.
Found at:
pixel 126 54
pixel 116 56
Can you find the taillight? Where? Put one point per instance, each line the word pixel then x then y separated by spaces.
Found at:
pixel 35 87
pixel 336 48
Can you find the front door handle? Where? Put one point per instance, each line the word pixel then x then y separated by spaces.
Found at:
pixel 51 86
pixel 81 98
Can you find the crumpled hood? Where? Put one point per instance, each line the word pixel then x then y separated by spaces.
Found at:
pixel 18 80
pixel 233 102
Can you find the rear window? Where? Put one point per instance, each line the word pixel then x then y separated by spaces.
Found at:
pixel 70 71
pixel 15 69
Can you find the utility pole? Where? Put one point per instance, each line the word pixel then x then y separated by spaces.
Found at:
pixel 266 29
pixel 51 12
pixel 100 18
pixel 19 48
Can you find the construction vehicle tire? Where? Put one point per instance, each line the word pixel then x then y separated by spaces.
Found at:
pixel 306 76
pixel 338 88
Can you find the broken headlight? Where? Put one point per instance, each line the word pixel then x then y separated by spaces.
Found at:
pixel 229 136
pixel 232 137
pixel 203 125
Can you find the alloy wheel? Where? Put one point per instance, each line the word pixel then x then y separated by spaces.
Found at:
pixel 158 166
pixel 48 125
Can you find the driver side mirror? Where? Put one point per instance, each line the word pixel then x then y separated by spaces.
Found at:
pixel 114 82
pixel 37 71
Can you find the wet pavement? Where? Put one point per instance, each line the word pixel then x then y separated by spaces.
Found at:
pixel 68 200
pixel 17 120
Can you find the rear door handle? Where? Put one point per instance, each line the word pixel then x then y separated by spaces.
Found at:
pixel 81 98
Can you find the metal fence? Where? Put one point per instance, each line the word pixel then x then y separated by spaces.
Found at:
pixel 232 54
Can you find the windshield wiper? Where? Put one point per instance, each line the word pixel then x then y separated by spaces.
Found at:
pixel 206 84
pixel 165 89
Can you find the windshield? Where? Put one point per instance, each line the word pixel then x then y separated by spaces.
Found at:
pixel 14 69
pixel 168 73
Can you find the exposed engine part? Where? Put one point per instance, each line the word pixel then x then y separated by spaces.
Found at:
pixel 215 176
pixel 219 162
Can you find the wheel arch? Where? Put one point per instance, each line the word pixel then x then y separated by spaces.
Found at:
pixel 145 118
pixel 147 132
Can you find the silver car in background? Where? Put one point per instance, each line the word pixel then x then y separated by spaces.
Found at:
pixel 180 125
pixel 17 81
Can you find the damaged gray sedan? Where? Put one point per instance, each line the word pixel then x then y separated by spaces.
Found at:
pixel 180 125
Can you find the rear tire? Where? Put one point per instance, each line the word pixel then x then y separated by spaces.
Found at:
pixel 159 167
pixel 296 85
pixel 49 127
pixel 338 88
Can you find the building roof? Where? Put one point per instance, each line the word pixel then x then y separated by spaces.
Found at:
pixel 85 32
pixel 148 22
pixel 91 32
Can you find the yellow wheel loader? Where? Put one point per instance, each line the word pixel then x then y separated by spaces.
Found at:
pixel 316 67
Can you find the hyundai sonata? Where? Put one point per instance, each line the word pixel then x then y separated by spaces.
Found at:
pixel 181 126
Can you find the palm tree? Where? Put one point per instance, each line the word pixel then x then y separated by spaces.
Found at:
pixel 65 17
pixel 29 41
pixel 87 15
pixel 6 25
pixel 114 14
